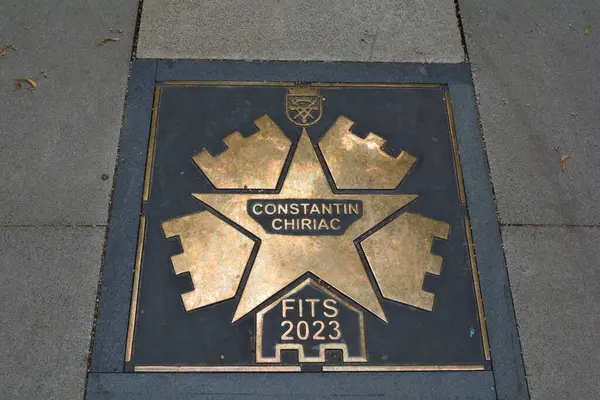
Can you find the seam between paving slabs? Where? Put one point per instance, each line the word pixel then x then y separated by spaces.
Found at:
pixel 463 40
pixel 53 225
pixel 553 225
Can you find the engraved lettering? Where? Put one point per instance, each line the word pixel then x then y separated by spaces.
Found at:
pixel 282 208
pixel 288 224
pixel 312 303
pixel 336 327
pixel 277 224
pixel 317 335
pixel 330 305
pixel 286 334
pixel 305 207
pixel 302 330
pixel 257 208
pixel 305 216
pixel 322 225
pixel 270 209
pixel 285 307
pixel 294 209
pixel 335 224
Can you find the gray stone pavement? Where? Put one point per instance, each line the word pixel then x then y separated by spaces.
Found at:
pixel 59 139
pixel 48 286
pixel 329 30
pixel 536 73
pixel 536 76
pixel 56 143
pixel 554 277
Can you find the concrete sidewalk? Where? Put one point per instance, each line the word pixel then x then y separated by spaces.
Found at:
pixel 535 73
pixel 536 76
pixel 329 30
pixel 58 147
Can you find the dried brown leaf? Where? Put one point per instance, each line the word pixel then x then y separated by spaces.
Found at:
pixel 109 39
pixel 28 80
pixel 3 52
pixel 563 162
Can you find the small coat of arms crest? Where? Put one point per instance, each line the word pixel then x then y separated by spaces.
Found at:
pixel 304 106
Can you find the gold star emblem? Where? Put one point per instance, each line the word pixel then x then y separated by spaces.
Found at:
pixel 281 259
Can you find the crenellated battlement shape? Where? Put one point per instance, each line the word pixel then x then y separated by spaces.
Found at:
pixel 357 163
pixel 254 162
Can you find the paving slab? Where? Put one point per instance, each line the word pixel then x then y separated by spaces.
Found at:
pixel 556 287
pixel 48 288
pixel 60 139
pixel 536 77
pixel 390 30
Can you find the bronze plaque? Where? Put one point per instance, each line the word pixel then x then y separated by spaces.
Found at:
pixel 316 227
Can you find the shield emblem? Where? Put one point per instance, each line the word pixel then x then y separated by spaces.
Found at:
pixel 304 106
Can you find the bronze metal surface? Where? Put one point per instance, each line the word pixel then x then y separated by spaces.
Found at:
pixel 481 314
pixel 357 163
pixel 281 260
pixel 151 144
pixel 135 288
pixel 218 368
pixel 304 106
pixel 375 85
pixel 400 256
pixel 401 368
pixel 227 83
pixel 291 84
pixel 457 166
pixel 323 347
pixel 214 254
pixel 254 162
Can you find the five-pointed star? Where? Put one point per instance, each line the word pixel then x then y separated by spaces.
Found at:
pixel 281 259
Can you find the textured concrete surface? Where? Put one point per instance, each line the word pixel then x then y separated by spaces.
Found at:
pixel 358 30
pixel 59 139
pixel 555 282
pixel 536 76
pixel 47 291
pixel 56 143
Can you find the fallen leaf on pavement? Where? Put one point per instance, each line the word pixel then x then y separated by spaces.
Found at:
pixel 563 162
pixel 109 39
pixel 10 46
pixel 28 80
pixel 3 52
pixel 587 30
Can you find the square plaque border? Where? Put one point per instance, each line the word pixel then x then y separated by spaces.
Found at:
pixel 109 377
pixel 148 174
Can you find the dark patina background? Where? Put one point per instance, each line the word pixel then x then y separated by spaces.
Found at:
pixel 194 117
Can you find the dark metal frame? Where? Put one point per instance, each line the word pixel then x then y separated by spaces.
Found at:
pixel 109 380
